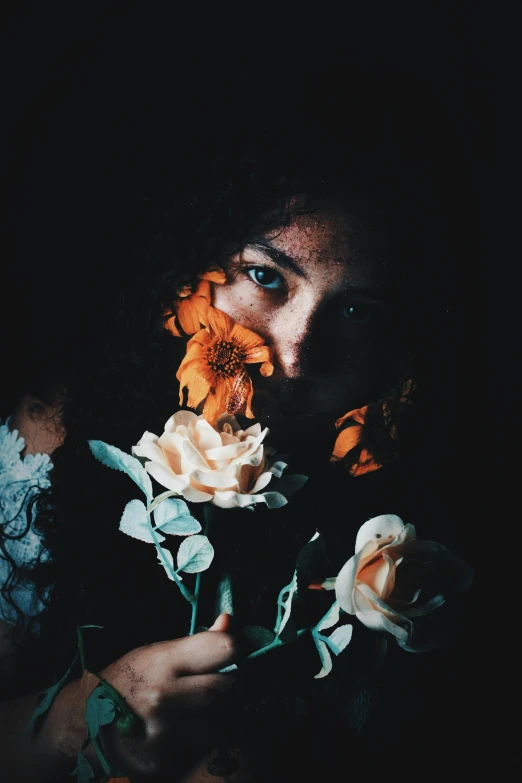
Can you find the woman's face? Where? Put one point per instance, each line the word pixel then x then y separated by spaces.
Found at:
pixel 317 291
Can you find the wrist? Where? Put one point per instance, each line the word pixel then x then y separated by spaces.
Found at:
pixel 65 728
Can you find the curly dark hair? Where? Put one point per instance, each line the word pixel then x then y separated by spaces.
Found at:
pixel 115 365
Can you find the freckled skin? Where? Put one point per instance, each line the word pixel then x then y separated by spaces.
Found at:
pixel 326 360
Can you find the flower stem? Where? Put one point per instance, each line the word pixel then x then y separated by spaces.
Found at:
pixel 276 643
pixel 95 743
pixel 195 605
pixel 185 593
pixel 164 495
pixel 80 647
pixel 207 514
pixel 101 757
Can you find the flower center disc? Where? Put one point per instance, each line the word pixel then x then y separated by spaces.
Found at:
pixel 225 358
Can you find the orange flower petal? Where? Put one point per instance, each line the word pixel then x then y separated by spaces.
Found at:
pixel 216 403
pixel 193 355
pixel 190 370
pixel 220 323
pixel 246 338
pixel 366 464
pixel 346 440
pixel 170 325
pixel 241 391
pixel 188 315
pixel 202 303
pixel 198 388
pixel 215 275
pixel 358 415
pixel 266 369
pixel 407 388
pixel 261 353
pixel 249 413
pixel 203 290
pixel 201 338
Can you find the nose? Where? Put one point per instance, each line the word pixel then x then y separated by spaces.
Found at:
pixel 290 335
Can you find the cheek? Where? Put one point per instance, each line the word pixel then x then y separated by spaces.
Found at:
pixel 239 302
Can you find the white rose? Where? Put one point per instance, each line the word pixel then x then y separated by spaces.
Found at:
pixel 222 464
pixel 393 579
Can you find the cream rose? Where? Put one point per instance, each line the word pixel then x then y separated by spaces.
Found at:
pixel 393 579
pixel 222 464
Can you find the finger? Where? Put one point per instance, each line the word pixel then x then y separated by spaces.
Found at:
pixel 204 653
pixel 222 623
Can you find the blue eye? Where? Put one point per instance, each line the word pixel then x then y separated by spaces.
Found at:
pixel 265 277
pixel 357 312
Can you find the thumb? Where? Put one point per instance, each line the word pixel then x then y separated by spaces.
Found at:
pixel 222 623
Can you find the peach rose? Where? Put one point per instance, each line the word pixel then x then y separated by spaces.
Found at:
pixel 222 464
pixel 393 579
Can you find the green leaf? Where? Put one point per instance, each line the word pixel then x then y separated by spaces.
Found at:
pixel 275 499
pixel 195 554
pixel 99 711
pixel 128 725
pixel 330 618
pixel 288 484
pixel 312 562
pixel 135 522
pixel 119 460
pixel 83 769
pixel 258 636
pixel 284 601
pixel 170 560
pixel 340 638
pixel 324 655
pixel 172 516
pixel 288 634
pixel 48 698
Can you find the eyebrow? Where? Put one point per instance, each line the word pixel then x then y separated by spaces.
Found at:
pixel 283 260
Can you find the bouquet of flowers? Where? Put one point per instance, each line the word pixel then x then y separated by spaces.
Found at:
pixel 389 583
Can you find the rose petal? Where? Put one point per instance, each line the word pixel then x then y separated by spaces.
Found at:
pixel 195 458
pixel 195 495
pixel 253 445
pixel 254 430
pixel 383 529
pixel 345 583
pixel 364 593
pixel 180 418
pixel 234 451
pixel 206 435
pixel 150 451
pixel 229 499
pixel 375 575
pixel 262 482
pixel 165 476
pixel 214 479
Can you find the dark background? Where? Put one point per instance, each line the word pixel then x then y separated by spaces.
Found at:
pixel 88 89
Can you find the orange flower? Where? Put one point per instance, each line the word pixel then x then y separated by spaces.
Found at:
pixel 214 367
pixel 349 438
pixel 191 307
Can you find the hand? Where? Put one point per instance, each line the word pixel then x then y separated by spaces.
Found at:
pixel 174 689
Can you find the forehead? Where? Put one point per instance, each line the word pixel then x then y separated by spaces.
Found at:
pixel 345 242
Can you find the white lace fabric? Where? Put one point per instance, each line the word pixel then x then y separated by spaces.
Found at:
pixel 20 479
